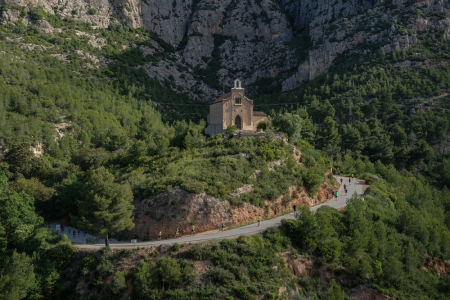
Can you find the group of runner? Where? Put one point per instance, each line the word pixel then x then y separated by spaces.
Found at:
pixel 335 192
pixel 177 232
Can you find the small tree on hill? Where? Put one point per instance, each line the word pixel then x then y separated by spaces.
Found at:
pixel 106 207
pixel 231 130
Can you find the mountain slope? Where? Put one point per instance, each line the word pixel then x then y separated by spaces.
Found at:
pixel 280 44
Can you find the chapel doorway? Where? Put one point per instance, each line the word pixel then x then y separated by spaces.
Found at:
pixel 238 123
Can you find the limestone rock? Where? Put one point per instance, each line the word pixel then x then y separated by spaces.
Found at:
pixel 215 41
pixel 11 15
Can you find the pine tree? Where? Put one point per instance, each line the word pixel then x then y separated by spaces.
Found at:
pixel 328 136
pixel 107 207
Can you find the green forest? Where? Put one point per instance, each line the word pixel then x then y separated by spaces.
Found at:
pixel 107 135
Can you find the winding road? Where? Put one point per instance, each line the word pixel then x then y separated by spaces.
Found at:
pixel 341 201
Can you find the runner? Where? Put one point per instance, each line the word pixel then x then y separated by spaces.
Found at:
pixel 345 186
pixel 177 233
pixel 69 228
pixel 223 226
pixel 74 234
pixel 349 181
pixel 259 219
pixel 336 195
pixel 275 212
pixel 160 234
pixel 328 197
pixel 341 181
pixel 193 230
pixel 346 191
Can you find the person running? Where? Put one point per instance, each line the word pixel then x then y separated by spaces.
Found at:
pixel 349 181
pixel 69 228
pixel 336 195
pixel 328 197
pixel 345 186
pixel 341 181
pixel 259 220
pixel 177 233
pixel 193 230
pixel 345 191
pixel 336 173
pixel 275 212
pixel 223 226
pixel 160 235
pixel 74 234
pixel 62 228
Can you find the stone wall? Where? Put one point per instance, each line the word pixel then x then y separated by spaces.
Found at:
pixel 256 120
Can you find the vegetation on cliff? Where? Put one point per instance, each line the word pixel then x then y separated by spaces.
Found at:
pixel 92 108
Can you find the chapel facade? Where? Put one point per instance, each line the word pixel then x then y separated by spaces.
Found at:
pixel 233 109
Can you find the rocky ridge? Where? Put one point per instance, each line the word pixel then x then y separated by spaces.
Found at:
pixel 275 43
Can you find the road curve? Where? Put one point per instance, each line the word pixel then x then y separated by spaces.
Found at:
pixel 341 201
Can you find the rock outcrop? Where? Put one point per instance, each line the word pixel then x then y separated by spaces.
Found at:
pixel 261 42
pixel 178 208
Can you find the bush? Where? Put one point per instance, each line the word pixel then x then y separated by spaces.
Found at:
pixel 169 272
pixel 312 181
pixel 105 267
pixel 118 284
pixel 243 293
pixel 221 276
pixel 37 14
pixel 175 247
pixel 125 253
pixel 59 253
pixel 231 130
pixel 86 265
pixel 143 280
pixel 197 252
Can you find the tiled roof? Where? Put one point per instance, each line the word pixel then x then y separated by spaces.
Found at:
pixel 222 98
pixel 259 113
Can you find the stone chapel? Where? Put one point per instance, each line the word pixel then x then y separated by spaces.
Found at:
pixel 233 109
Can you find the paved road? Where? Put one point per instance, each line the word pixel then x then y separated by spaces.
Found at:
pixel 340 202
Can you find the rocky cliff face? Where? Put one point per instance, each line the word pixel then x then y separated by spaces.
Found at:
pixel 166 211
pixel 271 44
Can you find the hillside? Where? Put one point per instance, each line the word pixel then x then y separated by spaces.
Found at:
pixel 390 244
pixel 102 109
pixel 277 44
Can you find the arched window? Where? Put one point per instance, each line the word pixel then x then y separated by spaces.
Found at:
pixel 238 122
